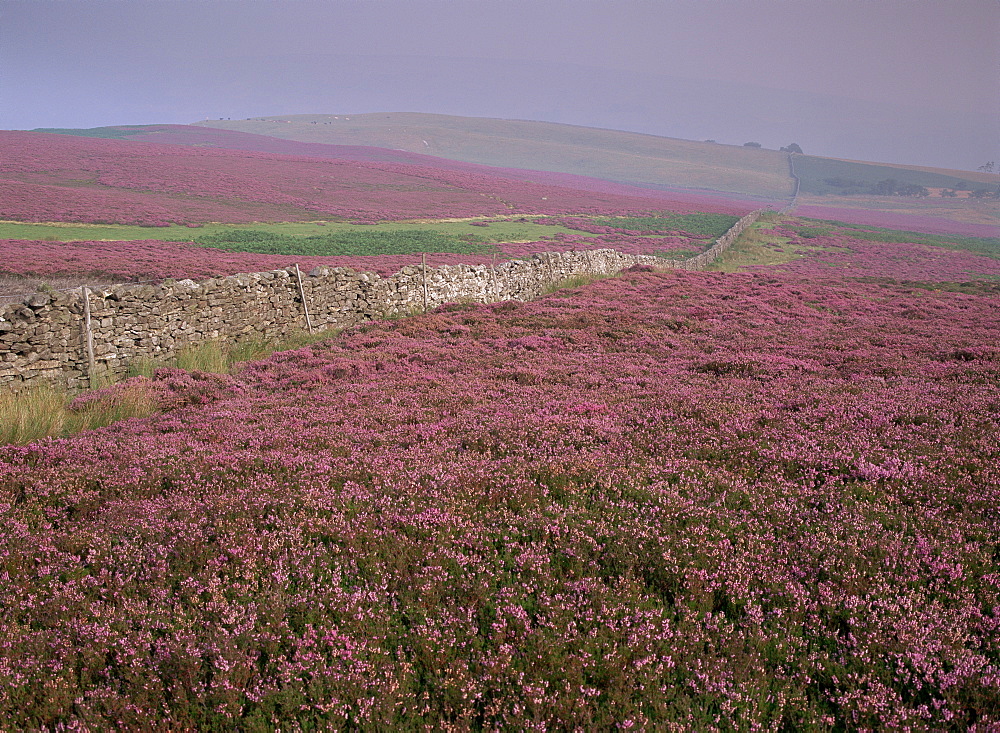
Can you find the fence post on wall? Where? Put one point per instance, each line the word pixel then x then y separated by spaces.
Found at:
pixel 423 276
pixel 89 337
pixel 496 280
pixel 302 294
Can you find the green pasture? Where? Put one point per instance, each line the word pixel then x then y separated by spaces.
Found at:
pixel 988 246
pixel 327 244
pixel 107 133
pixel 709 225
pixel 342 238
pixel 513 230
pixel 759 245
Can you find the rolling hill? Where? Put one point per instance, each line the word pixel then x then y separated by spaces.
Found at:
pixel 46 177
pixel 642 160
pixel 701 174
pixel 626 157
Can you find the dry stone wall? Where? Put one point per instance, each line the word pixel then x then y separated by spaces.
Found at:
pixel 73 337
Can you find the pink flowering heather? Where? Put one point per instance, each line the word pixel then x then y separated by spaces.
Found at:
pixel 157 260
pixel 678 200
pixel 689 501
pixel 842 253
pixel 151 260
pixel 893 220
pixel 45 177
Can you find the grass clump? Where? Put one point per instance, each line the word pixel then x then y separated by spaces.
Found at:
pixel 32 415
pixel 212 356
pixel 219 357
pixel 573 281
pixel 47 411
pixel 756 246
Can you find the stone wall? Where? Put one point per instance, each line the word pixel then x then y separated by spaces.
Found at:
pixel 70 337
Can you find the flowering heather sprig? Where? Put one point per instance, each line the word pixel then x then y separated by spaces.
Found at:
pixel 694 500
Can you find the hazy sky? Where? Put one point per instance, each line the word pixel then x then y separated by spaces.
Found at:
pixel 912 81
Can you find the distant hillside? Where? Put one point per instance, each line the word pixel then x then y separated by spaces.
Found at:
pixel 205 137
pixel 46 177
pixel 632 158
pixel 830 175
pixel 687 175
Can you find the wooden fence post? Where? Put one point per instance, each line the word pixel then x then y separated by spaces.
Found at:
pixel 89 338
pixel 496 279
pixel 423 276
pixel 302 294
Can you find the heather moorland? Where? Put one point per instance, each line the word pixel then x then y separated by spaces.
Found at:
pixel 760 497
pixel 47 177
pixel 756 499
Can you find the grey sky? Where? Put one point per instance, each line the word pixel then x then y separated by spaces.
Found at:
pixel 912 81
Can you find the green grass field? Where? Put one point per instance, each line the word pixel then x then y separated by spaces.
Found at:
pixel 403 241
pixel 341 238
pixel 497 231
pixel 755 247
pixel 761 246
pixel 107 133
pixel 708 225
pixel 988 246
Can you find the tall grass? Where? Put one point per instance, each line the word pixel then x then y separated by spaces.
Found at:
pixel 212 356
pixel 220 357
pixel 32 415
pixel 758 245
pixel 573 281
pixel 44 411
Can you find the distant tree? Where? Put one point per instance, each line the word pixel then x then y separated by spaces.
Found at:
pixel 793 148
pixel 988 167
pixel 982 193
pixel 885 187
pixel 752 145
pixel 892 187
pixel 948 193
pixel 911 189
pixel 710 141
